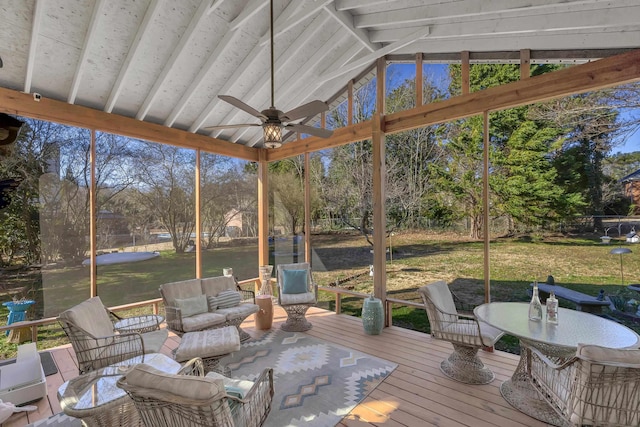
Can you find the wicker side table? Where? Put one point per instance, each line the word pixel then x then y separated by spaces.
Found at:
pixel 372 316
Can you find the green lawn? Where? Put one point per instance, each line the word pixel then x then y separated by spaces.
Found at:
pixel 577 262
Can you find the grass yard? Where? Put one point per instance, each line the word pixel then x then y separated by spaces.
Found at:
pixel 417 258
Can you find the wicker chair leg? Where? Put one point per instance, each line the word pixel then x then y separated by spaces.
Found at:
pixel 296 320
pixel 465 366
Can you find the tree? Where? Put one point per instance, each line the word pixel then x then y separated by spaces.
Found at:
pixel 165 176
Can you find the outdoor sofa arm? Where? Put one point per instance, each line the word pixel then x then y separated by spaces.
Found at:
pixel 173 317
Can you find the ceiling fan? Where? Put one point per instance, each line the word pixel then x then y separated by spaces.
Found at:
pixel 274 120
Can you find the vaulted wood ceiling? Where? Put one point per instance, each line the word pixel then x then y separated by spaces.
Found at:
pixel 165 61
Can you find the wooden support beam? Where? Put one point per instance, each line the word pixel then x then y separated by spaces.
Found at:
pixel 419 78
pixel 485 207
pixel 198 218
pixel 307 208
pixel 350 102
pixel 23 104
pixel 466 68
pixel 379 173
pixel 525 64
pixel 93 219
pixel 263 208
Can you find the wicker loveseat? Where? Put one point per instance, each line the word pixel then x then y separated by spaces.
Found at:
pixel 199 304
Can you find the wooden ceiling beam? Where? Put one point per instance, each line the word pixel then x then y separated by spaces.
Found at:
pixel 23 104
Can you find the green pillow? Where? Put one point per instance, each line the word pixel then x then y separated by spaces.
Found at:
pixel 192 306
pixel 294 282
pixel 228 298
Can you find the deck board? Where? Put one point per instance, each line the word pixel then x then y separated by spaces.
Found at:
pixel 417 393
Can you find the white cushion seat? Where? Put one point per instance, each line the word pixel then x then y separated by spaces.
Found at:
pixel 209 343
pixel 202 321
pixel 239 311
pixel 304 298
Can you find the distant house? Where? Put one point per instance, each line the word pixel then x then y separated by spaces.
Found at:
pixel 631 184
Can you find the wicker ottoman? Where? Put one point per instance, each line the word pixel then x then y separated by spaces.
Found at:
pixel 210 345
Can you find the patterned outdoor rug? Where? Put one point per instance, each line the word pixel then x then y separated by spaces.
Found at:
pixel 316 382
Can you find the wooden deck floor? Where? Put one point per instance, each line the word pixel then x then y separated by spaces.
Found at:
pixel 415 394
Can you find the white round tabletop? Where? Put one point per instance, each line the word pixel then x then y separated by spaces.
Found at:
pixel 573 328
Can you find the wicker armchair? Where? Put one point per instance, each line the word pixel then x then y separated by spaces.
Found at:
pixel 165 400
pixel 599 386
pixel 91 332
pixel 465 332
pixel 296 293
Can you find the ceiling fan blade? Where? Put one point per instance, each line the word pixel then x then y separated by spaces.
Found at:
pixel 241 105
pixel 240 125
pixel 320 132
pixel 307 110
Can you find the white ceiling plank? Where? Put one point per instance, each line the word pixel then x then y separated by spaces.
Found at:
pixel 446 12
pixel 33 44
pixel 286 57
pixel 213 6
pixel 248 12
pixel 143 30
pixel 355 4
pixel 86 50
pixel 306 71
pixel 346 20
pixel 416 35
pixel 283 60
pixel 161 81
pixel 224 44
pixel 292 15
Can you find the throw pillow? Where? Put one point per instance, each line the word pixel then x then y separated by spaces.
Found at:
pixel 192 306
pixel 212 302
pixel 294 282
pixel 228 299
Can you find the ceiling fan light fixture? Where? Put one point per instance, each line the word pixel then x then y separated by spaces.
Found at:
pixel 272 135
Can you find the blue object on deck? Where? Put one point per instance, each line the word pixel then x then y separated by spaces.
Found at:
pixel 17 311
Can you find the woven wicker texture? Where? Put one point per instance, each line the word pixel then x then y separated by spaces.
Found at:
pixel 164 408
pixel 590 392
pixel 464 331
pixel 210 320
pixel 90 330
pixel 296 310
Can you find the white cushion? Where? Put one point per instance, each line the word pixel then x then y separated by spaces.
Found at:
pixel 213 342
pixel 239 311
pixel 154 340
pixel 306 298
pixel 202 321
pixel 91 316
pixel 187 386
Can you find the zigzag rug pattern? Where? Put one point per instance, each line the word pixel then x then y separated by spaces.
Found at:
pixel 316 382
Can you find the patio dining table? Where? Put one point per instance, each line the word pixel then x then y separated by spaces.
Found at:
pixel 558 341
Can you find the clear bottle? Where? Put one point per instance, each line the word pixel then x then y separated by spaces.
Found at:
pixel 552 308
pixel 535 307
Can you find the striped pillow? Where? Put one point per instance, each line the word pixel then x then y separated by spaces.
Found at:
pixel 228 299
pixel 212 302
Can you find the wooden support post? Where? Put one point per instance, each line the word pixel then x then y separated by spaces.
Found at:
pixel 466 67
pixel 485 208
pixel 338 303
pixel 93 221
pixel 419 78
pixel 379 173
pixel 307 208
pixel 198 224
pixel 350 102
pixel 525 64
pixel 263 208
